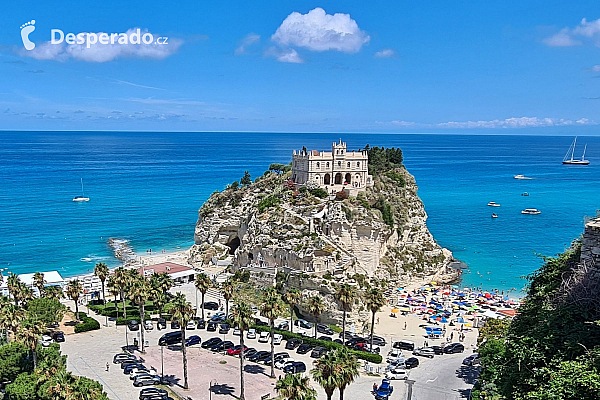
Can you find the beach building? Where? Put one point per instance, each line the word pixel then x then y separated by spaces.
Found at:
pixel 332 170
pixel 179 273
pixel 52 278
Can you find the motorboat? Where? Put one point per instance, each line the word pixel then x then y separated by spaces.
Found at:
pixel 493 204
pixel 525 194
pixel 521 177
pixel 494 215
pixel 531 211
pixel 570 156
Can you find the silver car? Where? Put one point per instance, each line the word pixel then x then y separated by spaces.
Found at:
pixel 146 380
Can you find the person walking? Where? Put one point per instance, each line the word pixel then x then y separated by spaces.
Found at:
pixel 404 325
pixel 107 366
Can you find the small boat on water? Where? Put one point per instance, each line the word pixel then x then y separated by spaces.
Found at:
pixel 493 204
pixel 82 197
pixel 494 215
pixel 569 157
pixel 531 211
pixel 521 177
pixel 524 194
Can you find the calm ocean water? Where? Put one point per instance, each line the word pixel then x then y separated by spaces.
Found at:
pixel 147 187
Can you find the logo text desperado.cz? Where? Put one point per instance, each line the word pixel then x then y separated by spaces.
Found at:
pixel 57 36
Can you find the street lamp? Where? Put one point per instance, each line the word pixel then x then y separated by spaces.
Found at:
pixel 162 365
pixel 210 386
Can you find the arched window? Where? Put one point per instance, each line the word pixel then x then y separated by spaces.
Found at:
pixel 318 165
pixel 327 165
pixel 348 164
pixel 358 164
pixel 337 152
pixel 339 163
pixel 341 151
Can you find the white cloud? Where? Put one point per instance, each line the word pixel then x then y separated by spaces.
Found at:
pixel 508 123
pixel 385 53
pixel 248 40
pixel 567 37
pixel 98 52
pixel 284 55
pixel 319 31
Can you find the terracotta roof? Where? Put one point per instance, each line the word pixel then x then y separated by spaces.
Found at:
pixel 168 267
pixel 509 311
pixel 315 152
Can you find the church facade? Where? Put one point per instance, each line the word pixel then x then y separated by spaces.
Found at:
pixel 334 170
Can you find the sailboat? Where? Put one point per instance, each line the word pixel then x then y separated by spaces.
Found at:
pixel 82 197
pixel 569 158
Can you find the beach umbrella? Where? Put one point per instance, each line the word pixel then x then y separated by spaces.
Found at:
pixel 405 309
pixel 400 289
pixel 488 296
pixel 395 310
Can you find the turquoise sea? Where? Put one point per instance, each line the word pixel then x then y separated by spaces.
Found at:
pixel 147 188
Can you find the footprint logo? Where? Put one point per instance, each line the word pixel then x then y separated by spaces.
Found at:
pixel 26 29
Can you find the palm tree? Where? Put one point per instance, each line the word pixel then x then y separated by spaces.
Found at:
pixel 121 280
pixel 25 293
pixel 295 387
pixel 139 292
pixel 202 283
pixel 74 290
pixel 13 284
pixel 11 317
pixel 374 299
pixel 62 385
pixel 159 299
pixel 345 294
pixel 326 373
pixel 39 282
pixel 350 369
pixel 271 309
pixel 101 271
pixel 29 333
pixel 54 292
pixel 227 288
pixel 316 307
pixel 5 317
pixel 113 288
pixel 162 282
pixel 242 316
pixel 183 312
pixel 292 297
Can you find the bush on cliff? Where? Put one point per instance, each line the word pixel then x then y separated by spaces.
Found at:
pixel 267 202
pixel 319 192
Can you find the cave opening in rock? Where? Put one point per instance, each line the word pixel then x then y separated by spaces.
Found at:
pixel 233 244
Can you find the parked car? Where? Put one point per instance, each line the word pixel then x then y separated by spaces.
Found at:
pixel 393 354
pixel 190 325
pixel 338 341
pixel 424 352
pixel 277 338
pixel 200 323
pixel 303 324
pixel 276 357
pixel 404 345
pixel 473 359
pixel 153 394
pixel 293 343
pixel 223 346
pixel 318 351
pixel 140 368
pixel 212 326
pixel 384 390
pixel 58 336
pixel 361 346
pixel 260 322
pixel 224 329
pixel 294 368
pixel 192 340
pixel 45 340
pixel 170 338
pixel 146 380
pixel 377 340
pixel 327 339
pixel 281 362
pixel 412 362
pixel 130 367
pixel 249 352
pixel 219 317
pixel 161 324
pixel 259 355
pixel 236 331
pixel 121 357
pixel 304 348
pixel 211 305
pixel 438 350
pixel 396 374
pixel 134 373
pixel 283 326
pixel 236 350
pixel 399 363
pixel 133 325
pixel 251 334
pixel 210 342
pixel 175 324
pixel 264 337
pixel 148 325
pixel 322 328
pixel 454 348
pixel 130 364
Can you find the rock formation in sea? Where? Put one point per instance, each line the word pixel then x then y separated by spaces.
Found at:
pixel 318 239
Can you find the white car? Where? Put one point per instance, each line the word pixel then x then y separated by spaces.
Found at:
pixel 251 333
pixel 45 340
pixel 281 362
pixel 148 325
pixel 236 331
pixel 135 372
pixel 398 363
pixel 277 338
pixel 254 309
pixel 424 352
pixel 396 374
pixel 191 325
pixel 394 354
pixel 264 337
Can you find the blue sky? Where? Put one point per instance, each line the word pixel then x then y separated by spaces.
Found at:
pixel 316 66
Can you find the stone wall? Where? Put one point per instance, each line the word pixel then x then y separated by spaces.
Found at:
pixel 590 248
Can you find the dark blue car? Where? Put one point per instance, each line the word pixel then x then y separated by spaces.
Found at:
pixel 192 340
pixel 384 390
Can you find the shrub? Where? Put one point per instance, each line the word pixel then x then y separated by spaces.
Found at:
pixel 267 202
pixel 303 189
pixel 341 195
pixel 319 192
pixel 363 355
pixel 87 324
pixel 396 177
pixel 289 184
